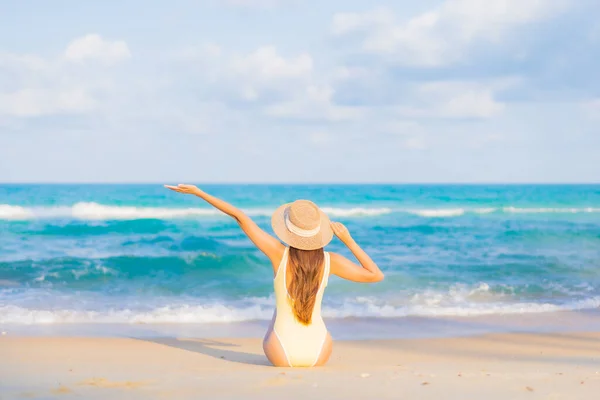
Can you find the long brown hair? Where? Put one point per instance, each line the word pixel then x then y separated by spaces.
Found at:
pixel 306 279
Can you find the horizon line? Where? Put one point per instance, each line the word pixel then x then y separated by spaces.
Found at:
pixel 296 183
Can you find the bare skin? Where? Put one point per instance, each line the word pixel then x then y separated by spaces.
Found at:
pixel 366 272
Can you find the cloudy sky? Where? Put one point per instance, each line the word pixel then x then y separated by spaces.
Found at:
pixel 300 91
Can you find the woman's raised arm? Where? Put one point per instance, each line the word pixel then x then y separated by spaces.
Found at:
pixel 367 271
pixel 266 243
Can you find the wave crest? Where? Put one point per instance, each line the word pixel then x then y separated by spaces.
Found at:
pixel 449 212
pixel 95 211
pixel 352 212
pixel 14 212
pixel 544 210
pixel 262 309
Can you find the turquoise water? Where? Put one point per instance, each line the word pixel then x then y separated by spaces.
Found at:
pixel 140 253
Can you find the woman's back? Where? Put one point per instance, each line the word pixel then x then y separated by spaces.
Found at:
pixel 302 343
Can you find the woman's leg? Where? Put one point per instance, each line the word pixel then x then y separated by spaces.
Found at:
pixel 274 351
pixel 325 351
pixel 272 348
pixel 270 329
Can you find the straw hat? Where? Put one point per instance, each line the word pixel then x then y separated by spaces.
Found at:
pixel 302 225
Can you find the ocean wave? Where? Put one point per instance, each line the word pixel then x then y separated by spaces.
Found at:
pixel 14 212
pixel 456 212
pixel 262 309
pixel 213 313
pixel 353 212
pixel 545 210
pixel 98 212
pixel 484 210
pixel 448 212
pixel 185 270
pixel 95 211
pixel 466 310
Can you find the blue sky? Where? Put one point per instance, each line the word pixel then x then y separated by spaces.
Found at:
pixel 300 91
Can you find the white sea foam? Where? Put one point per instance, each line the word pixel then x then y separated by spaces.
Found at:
pixel 352 212
pixel 14 212
pixel 95 211
pixel 456 212
pixel 262 309
pixel 442 212
pixel 168 314
pixel 485 210
pixel 550 210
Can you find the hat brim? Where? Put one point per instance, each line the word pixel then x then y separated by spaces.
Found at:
pixel 315 242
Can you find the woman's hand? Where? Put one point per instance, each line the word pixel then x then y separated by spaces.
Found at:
pixel 345 268
pixel 185 189
pixel 341 232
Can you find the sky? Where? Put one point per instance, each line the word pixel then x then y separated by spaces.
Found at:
pixel 460 91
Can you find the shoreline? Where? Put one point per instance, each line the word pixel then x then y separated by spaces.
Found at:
pixel 355 328
pixel 494 366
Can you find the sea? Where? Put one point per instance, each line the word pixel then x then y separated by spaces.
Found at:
pixel 141 254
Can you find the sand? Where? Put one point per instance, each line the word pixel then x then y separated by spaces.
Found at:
pixel 495 366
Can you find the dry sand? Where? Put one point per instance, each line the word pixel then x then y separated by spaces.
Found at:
pixel 499 366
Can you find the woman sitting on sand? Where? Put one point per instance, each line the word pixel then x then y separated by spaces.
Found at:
pixel 297 336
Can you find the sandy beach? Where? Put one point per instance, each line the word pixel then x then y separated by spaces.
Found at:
pixel 494 366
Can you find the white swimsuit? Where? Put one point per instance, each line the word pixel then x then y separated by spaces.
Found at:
pixel 301 343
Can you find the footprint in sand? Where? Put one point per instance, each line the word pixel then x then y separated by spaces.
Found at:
pixel 105 383
pixel 61 390
pixel 276 381
pixel 282 379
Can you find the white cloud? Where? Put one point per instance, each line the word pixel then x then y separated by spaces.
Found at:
pixel 265 64
pixel 457 99
pixel 256 76
pixel 273 84
pixel 443 35
pixel 344 23
pixel 314 102
pixel 474 104
pixel 94 47
pixel 301 92
pixel 289 87
pixel 345 73
pixel 32 86
pixel 39 102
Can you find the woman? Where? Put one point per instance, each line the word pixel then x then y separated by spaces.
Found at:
pixel 297 336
